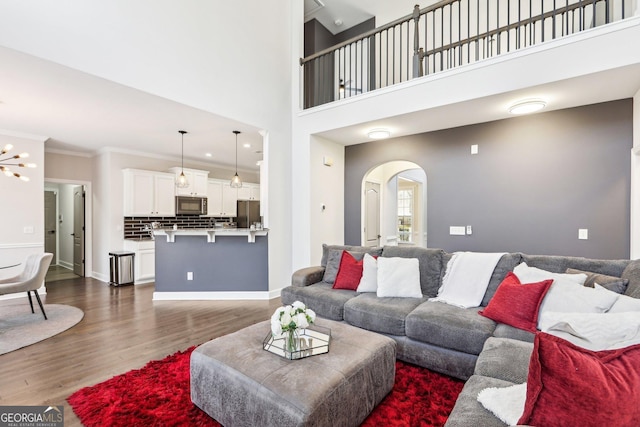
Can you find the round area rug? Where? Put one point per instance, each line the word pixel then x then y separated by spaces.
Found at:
pixel 20 328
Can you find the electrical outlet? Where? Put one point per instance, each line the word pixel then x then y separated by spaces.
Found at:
pixel 583 233
pixel 189 275
pixel 469 230
pixel 457 230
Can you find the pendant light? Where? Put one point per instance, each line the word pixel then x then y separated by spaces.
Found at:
pixel 235 181
pixel 181 181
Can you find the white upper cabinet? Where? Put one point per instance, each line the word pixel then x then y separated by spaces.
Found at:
pixel 249 191
pixel 221 199
pixel 148 193
pixel 214 197
pixel 197 180
pixel 229 200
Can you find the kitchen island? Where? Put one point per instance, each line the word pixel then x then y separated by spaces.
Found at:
pixel 212 263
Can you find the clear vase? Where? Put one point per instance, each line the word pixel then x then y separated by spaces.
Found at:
pixel 292 341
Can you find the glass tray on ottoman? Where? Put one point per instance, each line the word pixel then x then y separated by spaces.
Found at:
pixel 311 342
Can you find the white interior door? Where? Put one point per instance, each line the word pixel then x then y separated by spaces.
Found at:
pixel 51 224
pixel 78 230
pixel 372 214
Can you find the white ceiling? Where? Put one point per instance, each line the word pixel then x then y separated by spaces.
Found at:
pixel 83 113
pixel 354 12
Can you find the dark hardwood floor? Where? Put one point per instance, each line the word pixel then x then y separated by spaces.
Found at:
pixel 122 329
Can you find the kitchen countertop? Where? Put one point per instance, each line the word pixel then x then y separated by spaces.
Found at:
pixel 210 233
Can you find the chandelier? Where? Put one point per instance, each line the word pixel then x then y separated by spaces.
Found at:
pixel 7 162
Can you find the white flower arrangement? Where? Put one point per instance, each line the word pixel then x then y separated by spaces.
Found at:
pixel 291 317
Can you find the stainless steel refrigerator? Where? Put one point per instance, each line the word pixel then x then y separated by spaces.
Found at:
pixel 248 213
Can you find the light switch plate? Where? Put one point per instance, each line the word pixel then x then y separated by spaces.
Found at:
pixel 474 149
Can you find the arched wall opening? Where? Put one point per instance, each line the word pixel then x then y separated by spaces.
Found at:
pixel 394 205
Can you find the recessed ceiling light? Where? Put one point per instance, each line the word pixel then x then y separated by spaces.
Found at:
pixel 246 145
pixel 527 106
pixel 208 154
pixel 378 134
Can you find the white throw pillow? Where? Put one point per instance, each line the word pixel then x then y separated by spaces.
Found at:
pixel 399 277
pixel 369 280
pixel 625 304
pixel 572 298
pixel 567 293
pixel 593 331
pixel 506 403
pixel 528 274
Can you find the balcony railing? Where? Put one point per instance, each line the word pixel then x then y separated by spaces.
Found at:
pixel 443 36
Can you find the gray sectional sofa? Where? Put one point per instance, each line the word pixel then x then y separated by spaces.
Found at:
pixel 444 338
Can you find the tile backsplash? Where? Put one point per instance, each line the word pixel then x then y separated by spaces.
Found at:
pixel 134 227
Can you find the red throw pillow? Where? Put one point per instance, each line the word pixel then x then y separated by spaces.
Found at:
pixel 516 304
pixel 349 272
pixel 572 386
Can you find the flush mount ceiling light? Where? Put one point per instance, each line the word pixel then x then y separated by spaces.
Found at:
pixel 4 166
pixel 235 181
pixel 181 181
pixel 528 106
pixel 378 134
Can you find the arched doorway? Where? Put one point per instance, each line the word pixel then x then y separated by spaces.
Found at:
pixel 394 205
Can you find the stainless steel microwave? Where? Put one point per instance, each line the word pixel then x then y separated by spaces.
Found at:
pixel 188 205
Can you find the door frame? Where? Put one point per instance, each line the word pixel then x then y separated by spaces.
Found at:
pixel 54 261
pixel 88 220
pixel 80 269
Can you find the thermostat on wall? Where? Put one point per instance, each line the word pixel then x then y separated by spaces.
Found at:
pixel 327 161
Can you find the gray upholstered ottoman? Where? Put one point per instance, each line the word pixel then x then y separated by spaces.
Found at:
pixel 238 383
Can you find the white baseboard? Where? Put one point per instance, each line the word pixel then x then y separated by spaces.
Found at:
pixel 217 296
pixel 65 264
pixel 101 277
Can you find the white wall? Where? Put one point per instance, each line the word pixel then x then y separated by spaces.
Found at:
pixel 22 213
pixel 327 226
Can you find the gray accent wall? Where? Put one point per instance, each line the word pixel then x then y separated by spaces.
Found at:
pixel 535 181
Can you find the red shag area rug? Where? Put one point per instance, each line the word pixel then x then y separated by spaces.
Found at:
pixel 159 395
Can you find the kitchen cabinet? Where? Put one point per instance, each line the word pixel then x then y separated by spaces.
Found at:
pixel 148 193
pixel 197 180
pixel 144 260
pixel 249 191
pixel 229 200
pixel 221 198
